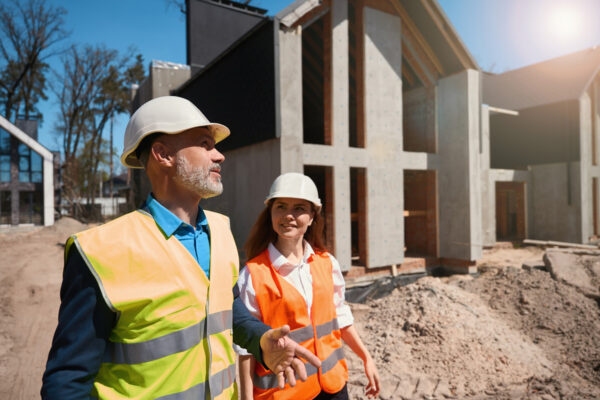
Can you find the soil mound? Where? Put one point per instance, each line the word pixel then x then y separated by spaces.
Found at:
pixel 507 334
pixel 65 227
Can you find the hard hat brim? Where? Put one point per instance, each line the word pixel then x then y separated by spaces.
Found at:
pixel 279 195
pixel 130 159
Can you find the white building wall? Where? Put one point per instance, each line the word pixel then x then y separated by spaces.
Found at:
pixel 383 138
pixel 460 222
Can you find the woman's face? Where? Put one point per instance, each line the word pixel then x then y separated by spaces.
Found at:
pixel 291 217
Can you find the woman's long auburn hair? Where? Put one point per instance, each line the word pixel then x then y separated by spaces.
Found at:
pixel 262 232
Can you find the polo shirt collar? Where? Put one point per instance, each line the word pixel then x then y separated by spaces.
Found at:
pixel 169 222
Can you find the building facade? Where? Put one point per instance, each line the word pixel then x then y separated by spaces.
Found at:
pixel 378 101
pixel 541 160
pixel 27 175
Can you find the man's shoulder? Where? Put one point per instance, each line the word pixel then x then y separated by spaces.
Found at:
pixel 123 222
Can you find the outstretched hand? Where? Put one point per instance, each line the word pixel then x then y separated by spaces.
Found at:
pixel 282 356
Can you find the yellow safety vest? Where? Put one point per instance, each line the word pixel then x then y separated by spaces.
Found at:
pixel 173 335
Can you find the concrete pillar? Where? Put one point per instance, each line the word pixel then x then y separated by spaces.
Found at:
pixel 383 138
pixel 340 131
pixel 488 187
pixel 340 72
pixel 460 219
pixel 288 92
pixel 48 179
pixel 586 227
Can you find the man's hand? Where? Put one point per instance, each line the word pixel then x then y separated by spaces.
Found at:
pixel 282 355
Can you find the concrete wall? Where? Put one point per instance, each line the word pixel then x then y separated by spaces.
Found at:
pixel 460 224
pixel 383 137
pixel 247 176
pixel 539 135
pixel 585 150
pixel 555 202
pixel 489 177
pixel 288 96
pixel 340 130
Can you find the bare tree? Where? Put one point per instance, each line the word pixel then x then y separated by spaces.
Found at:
pixel 92 87
pixel 29 31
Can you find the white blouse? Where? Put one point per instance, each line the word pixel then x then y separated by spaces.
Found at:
pixel 299 276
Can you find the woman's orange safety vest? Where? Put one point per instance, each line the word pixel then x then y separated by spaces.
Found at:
pixel 173 337
pixel 280 303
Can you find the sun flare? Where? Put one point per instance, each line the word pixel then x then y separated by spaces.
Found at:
pixel 565 23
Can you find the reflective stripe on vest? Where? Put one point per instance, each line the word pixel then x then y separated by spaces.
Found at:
pixel 280 303
pixel 172 338
pixel 184 339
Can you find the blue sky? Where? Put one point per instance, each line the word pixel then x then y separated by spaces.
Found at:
pixel 500 34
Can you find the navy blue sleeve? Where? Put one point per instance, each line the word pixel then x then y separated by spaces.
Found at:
pixel 84 325
pixel 247 329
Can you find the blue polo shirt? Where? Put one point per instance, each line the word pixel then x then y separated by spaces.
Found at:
pixel 196 239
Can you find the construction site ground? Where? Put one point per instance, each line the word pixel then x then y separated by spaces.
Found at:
pixel 508 333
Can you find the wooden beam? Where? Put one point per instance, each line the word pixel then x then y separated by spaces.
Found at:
pixel 326 35
pixel 414 63
pixel 410 30
pixel 446 32
pixel 408 76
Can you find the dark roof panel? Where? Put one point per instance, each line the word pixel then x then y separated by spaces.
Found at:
pixel 559 79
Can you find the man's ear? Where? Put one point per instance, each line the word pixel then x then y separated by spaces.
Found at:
pixel 162 153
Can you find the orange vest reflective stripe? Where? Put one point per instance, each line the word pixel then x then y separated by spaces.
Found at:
pixel 173 335
pixel 280 303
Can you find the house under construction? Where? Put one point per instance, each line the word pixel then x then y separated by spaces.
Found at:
pixel 543 153
pixel 378 101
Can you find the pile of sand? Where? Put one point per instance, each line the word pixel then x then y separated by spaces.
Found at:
pixel 507 334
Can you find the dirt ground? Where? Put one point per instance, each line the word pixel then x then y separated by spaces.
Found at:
pixel 510 333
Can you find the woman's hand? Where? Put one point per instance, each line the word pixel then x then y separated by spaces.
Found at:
pixel 372 389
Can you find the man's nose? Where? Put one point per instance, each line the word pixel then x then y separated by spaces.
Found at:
pixel 217 156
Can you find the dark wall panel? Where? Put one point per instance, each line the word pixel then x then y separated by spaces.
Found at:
pixel 214 26
pixel 538 135
pixel 238 90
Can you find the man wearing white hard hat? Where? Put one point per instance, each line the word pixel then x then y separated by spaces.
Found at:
pixel 147 306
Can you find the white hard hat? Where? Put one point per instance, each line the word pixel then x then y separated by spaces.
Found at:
pixel 167 114
pixel 296 186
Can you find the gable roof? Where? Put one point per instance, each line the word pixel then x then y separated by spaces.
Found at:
pixel 428 17
pixel 25 138
pixel 559 79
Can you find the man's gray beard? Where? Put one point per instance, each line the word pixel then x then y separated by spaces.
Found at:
pixel 197 179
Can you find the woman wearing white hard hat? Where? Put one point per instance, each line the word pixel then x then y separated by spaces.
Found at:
pixel 292 279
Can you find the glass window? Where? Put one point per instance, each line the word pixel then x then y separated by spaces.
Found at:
pixel 4 142
pixel 5 208
pixel 30 207
pixel 25 208
pixel 36 167
pixel 24 163
pixel 36 162
pixel 36 207
pixel 23 149
pixel 4 168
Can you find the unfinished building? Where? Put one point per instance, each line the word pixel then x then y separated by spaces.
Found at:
pixel 27 176
pixel 540 166
pixel 378 101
